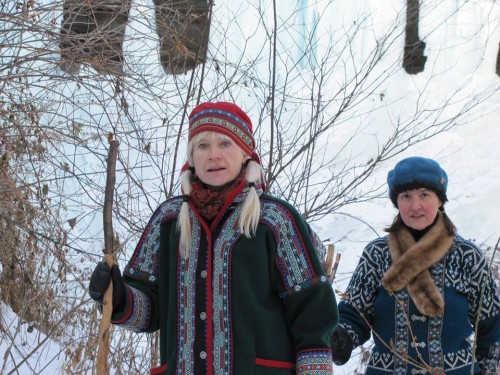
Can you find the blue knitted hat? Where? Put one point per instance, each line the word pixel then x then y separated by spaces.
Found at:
pixel 415 173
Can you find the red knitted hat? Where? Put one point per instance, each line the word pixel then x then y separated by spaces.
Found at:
pixel 226 118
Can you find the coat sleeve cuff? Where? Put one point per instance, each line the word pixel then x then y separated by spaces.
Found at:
pixel 136 314
pixel 314 361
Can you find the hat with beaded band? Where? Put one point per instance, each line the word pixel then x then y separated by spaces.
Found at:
pixel 414 173
pixel 226 118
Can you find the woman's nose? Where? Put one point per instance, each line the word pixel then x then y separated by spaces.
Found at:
pixel 415 204
pixel 213 153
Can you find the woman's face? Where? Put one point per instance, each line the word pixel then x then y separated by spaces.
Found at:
pixel 418 208
pixel 217 159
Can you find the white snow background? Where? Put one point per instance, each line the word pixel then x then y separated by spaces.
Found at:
pixel 460 47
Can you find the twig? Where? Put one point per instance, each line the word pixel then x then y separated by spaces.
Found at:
pixel 331 270
pixel 481 297
pixel 48 336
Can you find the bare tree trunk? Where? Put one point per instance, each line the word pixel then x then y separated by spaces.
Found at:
pixel 413 59
pixel 183 27
pixel 92 32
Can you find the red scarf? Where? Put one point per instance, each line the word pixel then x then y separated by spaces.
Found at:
pixel 209 202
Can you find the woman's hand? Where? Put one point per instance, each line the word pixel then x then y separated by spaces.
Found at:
pixel 99 282
pixel 342 346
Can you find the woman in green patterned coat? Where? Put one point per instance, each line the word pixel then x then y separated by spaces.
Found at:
pixel 231 276
pixel 423 290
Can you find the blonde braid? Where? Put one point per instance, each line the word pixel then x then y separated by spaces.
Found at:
pixel 184 222
pixel 250 213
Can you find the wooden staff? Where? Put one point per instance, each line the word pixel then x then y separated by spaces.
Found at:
pixel 107 305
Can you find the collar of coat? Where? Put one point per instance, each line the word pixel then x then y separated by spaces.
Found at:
pixel 410 266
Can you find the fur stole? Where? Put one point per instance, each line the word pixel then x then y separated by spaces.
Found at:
pixel 410 263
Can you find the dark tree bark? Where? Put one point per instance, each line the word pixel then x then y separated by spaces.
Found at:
pixel 498 61
pixel 183 27
pixel 413 59
pixel 92 32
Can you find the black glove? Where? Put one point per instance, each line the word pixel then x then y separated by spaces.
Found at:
pixel 342 346
pixel 99 282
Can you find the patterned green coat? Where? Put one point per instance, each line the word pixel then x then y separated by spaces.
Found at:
pixel 237 305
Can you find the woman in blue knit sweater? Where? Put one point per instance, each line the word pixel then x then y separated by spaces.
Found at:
pixel 423 292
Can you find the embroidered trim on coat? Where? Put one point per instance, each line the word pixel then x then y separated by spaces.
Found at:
pixel 223 340
pixel 140 314
pixel 144 263
pixel 292 258
pixel 314 362
pixel 186 302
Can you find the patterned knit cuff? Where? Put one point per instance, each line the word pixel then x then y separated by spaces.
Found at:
pixel 315 362
pixel 137 311
pixel 353 333
pixel 490 364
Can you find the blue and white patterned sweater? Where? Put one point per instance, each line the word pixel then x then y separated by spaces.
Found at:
pixel 422 343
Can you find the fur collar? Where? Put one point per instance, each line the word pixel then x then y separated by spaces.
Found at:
pixel 410 263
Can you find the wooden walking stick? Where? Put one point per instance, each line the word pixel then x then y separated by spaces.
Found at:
pixel 107 305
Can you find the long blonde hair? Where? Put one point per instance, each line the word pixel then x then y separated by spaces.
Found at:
pixel 250 213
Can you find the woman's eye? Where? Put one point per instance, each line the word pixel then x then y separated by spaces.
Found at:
pixel 202 146
pixel 225 144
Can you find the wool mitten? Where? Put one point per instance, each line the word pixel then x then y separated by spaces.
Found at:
pixel 342 346
pixel 99 282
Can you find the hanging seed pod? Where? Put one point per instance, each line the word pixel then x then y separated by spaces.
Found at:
pixel 92 32
pixel 413 58
pixel 183 28
pixel 498 61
